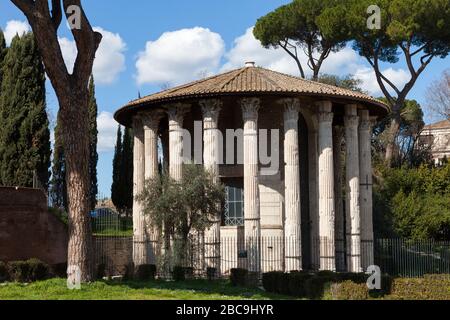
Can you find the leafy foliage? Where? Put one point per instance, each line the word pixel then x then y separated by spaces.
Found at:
pixel 414 201
pixel 58 189
pixel 346 82
pixel 177 207
pixel 122 186
pixel 297 25
pixel 409 148
pixel 93 155
pixel 24 135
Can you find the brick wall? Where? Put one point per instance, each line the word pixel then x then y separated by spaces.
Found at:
pixel 28 230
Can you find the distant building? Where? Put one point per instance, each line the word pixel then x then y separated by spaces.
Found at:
pixel 437 136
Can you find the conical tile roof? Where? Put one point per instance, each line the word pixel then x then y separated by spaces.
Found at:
pixel 249 81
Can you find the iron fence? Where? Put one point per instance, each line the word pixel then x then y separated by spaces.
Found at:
pixel 114 245
pixel 406 258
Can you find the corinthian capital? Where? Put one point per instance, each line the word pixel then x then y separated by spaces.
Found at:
pixel 151 119
pixel 291 108
pixel 176 112
pixel 211 109
pixel 250 108
pixel 325 116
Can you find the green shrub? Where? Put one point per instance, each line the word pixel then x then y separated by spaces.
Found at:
pixel 28 271
pixel 349 290
pixel 129 272
pixel 270 280
pixel 3 272
pixel 178 273
pixel 315 286
pixel 59 270
pixel 297 284
pixel 145 272
pixel 358 278
pixel 38 270
pixel 211 273
pixel 431 287
pixel 238 277
pixel 18 271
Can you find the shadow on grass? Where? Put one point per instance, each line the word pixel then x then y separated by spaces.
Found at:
pixel 220 287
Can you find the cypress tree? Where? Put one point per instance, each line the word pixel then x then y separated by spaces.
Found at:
pixel 116 195
pixel 127 169
pixel 25 135
pixel 58 189
pixel 3 50
pixel 93 155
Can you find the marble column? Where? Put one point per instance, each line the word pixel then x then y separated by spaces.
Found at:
pixel 292 222
pixel 353 218
pixel 151 125
pixel 211 160
pixel 326 188
pixel 313 141
pixel 366 183
pixel 338 135
pixel 140 256
pixel 176 113
pixel 252 226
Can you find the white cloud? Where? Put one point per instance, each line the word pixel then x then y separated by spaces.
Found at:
pixel 398 77
pixel 107 130
pixel 247 48
pixel 180 56
pixel 15 27
pixel 69 52
pixel 110 58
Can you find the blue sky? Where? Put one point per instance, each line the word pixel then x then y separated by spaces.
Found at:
pixel 151 44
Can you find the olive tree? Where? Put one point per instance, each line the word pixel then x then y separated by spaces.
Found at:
pixel 179 207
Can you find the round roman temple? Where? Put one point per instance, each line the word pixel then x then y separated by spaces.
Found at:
pixel 294 156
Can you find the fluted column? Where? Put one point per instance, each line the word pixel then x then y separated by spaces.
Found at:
pixel 292 223
pixel 250 107
pixel 366 183
pixel 211 159
pixel 313 142
pixel 353 218
pixel 176 114
pixel 139 235
pixel 338 135
pixel 151 125
pixel 326 188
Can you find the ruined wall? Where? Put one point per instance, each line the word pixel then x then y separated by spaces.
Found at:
pixel 28 230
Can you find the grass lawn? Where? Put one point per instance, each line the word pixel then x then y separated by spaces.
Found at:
pixel 56 289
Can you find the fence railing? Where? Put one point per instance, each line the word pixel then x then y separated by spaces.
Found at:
pixel 405 258
pixel 114 245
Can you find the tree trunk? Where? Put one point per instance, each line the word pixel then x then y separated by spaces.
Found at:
pixel 76 143
pixel 391 144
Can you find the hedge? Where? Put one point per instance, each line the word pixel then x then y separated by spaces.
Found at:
pixel 351 286
pixel 238 277
pixel 28 271
pixel 145 272
pixel 349 290
pixel 4 276
pixel 315 285
pixel 431 287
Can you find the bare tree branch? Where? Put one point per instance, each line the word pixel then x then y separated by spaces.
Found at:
pixel 293 54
